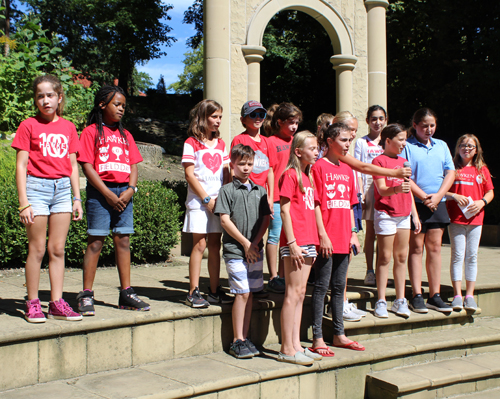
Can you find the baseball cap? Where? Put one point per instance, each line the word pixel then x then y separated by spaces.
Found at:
pixel 251 106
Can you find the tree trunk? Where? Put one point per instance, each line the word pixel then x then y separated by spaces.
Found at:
pixel 125 71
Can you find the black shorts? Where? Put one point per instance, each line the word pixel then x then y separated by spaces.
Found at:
pixel 438 219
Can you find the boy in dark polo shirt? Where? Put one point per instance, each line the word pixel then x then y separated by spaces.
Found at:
pixel 244 215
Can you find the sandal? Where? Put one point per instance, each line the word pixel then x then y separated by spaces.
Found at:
pixel 324 351
pixel 352 345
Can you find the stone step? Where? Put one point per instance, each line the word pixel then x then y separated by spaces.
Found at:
pixel 219 375
pixel 437 379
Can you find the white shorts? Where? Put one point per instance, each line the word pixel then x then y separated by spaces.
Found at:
pixel 201 221
pixel 245 277
pixel 368 211
pixel 386 225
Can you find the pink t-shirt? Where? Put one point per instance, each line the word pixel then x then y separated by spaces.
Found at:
pixel 208 168
pixel 397 204
pixel 113 156
pixel 336 194
pixel 281 148
pixel 470 183
pixel 49 145
pixel 264 157
pixel 301 208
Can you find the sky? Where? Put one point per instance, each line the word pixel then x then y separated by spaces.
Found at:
pixel 171 65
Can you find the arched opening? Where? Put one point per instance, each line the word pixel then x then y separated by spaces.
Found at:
pixel 296 66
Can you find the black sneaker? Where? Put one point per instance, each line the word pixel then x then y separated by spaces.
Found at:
pixel 276 285
pixel 417 304
pixel 438 304
pixel 195 300
pixel 219 296
pixel 86 303
pixel 240 350
pixel 251 347
pixel 130 301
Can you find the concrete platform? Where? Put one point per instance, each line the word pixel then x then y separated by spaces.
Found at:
pixel 172 332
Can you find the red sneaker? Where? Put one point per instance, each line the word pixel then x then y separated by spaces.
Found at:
pixel 34 312
pixel 60 310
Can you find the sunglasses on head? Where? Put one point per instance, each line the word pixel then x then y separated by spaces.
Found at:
pixel 261 115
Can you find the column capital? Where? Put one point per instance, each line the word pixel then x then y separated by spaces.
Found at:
pixel 369 4
pixel 343 62
pixel 253 53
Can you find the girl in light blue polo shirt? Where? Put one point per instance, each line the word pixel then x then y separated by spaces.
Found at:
pixel 433 174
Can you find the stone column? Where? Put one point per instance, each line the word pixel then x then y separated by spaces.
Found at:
pixel 253 57
pixel 377 52
pixel 216 18
pixel 343 65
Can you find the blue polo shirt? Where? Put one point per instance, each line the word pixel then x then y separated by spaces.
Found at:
pixel 428 164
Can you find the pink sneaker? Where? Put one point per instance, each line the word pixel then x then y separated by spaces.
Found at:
pixel 34 312
pixel 62 311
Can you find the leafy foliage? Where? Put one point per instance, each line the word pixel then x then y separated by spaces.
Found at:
pixel 194 15
pixel 191 78
pixel 106 39
pixel 34 54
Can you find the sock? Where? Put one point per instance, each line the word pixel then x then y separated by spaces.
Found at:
pixel 86 289
pixel 457 296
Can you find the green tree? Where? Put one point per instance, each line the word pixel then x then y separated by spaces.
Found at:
pixel 191 78
pixel 106 39
pixel 141 81
pixel 194 15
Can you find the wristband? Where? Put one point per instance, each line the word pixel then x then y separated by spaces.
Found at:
pixel 22 208
pixel 77 199
pixel 291 242
pixel 485 202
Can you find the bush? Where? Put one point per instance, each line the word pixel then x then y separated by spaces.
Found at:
pixel 156 222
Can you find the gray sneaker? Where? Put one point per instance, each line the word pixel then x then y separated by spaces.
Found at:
pixel 349 315
pixel 250 345
pixel 470 303
pixel 381 309
pixel 400 307
pixel 312 355
pixel 456 304
pixel 355 310
pixel 298 358
pixel 240 350
pixel 370 279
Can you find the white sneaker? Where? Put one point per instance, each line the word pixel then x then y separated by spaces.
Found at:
pixel 400 307
pixel 370 278
pixel 353 308
pixel 381 309
pixel 349 315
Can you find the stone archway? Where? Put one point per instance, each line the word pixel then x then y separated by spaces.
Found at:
pixel 233 51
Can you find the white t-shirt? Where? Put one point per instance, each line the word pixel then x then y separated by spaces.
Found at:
pixel 208 165
pixel 366 151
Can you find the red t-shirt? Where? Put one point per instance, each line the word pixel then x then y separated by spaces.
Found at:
pixel 470 183
pixel 49 145
pixel 281 148
pixel 397 204
pixel 264 157
pixel 114 154
pixel 335 193
pixel 301 208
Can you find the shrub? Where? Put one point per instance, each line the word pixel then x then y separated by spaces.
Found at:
pixel 156 221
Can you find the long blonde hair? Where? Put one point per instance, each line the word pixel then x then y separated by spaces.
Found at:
pixel 299 141
pixel 477 160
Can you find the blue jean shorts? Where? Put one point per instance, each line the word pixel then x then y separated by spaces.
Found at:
pixel 48 196
pixel 101 217
pixel 275 224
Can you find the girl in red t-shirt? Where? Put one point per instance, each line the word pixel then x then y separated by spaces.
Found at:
pixel 297 243
pixel 109 159
pixel 393 205
pixel 46 172
pixel 280 125
pixel 472 190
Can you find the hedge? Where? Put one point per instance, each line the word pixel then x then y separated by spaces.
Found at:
pixel 156 221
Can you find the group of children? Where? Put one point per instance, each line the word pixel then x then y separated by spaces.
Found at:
pixel 301 188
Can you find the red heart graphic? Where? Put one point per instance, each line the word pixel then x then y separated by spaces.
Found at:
pixel 212 162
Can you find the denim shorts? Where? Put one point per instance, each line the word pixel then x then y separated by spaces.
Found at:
pixel 275 224
pixel 48 196
pixel 101 217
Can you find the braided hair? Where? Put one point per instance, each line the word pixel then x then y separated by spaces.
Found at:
pixel 102 98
